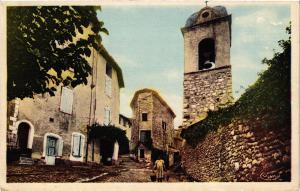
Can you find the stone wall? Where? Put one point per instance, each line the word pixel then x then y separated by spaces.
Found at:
pixel 205 90
pixel 148 102
pixel 241 151
pixel 143 104
pixel 162 113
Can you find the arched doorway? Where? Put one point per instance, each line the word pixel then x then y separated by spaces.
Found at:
pixel 23 134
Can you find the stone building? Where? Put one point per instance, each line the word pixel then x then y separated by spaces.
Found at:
pixel 55 127
pixel 153 124
pixel 125 124
pixel 207 70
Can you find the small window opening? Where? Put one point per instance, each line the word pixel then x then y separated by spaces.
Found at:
pixel 142 153
pixel 206 53
pixel 164 125
pixel 51 119
pixel 205 14
pixel 108 70
pixel 144 117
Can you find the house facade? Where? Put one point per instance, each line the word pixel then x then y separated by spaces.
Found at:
pixel 126 125
pixel 153 125
pixel 51 127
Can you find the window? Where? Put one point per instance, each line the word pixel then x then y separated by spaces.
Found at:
pixel 108 83
pixel 51 146
pixel 164 125
pixel 66 100
pixel 106 116
pixel 145 136
pixel 205 14
pixel 206 53
pixel 144 117
pixel 108 80
pixel 108 70
pixel 77 144
pixel 142 153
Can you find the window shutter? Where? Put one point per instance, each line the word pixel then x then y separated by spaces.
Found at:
pixel 60 147
pixel 108 82
pixel 106 116
pixel 66 100
pixel 76 145
pixel 81 145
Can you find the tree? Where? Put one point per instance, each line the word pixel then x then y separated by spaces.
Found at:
pixel 41 39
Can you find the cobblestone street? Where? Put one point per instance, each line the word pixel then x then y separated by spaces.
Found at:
pixel 127 171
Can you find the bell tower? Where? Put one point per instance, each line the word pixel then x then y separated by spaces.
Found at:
pixel 207 70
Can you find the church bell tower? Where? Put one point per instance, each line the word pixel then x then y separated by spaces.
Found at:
pixel 207 70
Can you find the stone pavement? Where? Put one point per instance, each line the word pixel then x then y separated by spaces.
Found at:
pixel 127 171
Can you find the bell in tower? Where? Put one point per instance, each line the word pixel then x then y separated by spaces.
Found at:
pixel 207 69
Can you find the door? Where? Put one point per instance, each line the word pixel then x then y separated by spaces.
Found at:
pixel 23 132
pixel 51 150
pixel 142 153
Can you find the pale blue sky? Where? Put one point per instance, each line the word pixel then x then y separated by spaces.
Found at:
pixel 147 43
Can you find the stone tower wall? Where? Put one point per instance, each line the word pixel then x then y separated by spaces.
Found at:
pixel 218 30
pixel 204 91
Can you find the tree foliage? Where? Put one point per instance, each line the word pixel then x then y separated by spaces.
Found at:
pixel 269 97
pixel 40 39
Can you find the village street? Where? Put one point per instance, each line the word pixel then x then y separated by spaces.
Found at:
pixel 127 171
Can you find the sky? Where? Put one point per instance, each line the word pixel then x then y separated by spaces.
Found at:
pixel 147 43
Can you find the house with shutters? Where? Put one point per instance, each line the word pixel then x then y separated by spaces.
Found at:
pixel 153 126
pixel 50 127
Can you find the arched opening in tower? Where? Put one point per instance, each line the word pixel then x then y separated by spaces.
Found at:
pixel 206 53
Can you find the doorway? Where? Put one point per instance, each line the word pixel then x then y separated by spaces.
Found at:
pixel 142 153
pixel 23 133
pixel 52 148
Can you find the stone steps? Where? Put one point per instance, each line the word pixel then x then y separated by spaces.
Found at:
pixel 26 161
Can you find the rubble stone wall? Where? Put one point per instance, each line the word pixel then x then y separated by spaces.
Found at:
pixel 162 113
pixel 241 151
pixel 148 102
pixel 143 104
pixel 203 91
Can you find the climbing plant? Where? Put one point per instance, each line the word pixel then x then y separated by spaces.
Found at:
pixel 268 97
pixel 109 134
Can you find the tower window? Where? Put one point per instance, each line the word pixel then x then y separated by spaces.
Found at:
pixel 206 53
pixel 205 14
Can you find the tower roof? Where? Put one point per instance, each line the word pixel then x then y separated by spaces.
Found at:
pixel 206 14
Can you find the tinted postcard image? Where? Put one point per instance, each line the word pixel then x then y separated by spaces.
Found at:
pixel 179 93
